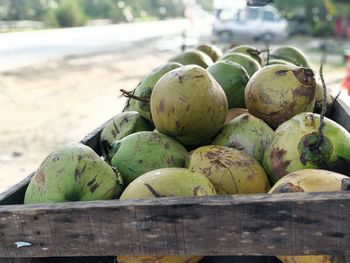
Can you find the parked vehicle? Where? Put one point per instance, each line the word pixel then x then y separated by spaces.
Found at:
pixel 249 23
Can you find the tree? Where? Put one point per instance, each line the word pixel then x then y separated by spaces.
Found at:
pixel 69 14
pixel 317 13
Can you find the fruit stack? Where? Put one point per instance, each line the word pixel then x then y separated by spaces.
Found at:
pixel 207 123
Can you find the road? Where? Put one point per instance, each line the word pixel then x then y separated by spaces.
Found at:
pixel 26 48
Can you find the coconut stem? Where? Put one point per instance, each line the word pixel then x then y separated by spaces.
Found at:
pixel 268 55
pixel 324 102
pixel 268 52
pixel 254 52
pixel 129 94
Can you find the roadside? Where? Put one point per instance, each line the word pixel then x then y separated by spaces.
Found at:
pixel 22 49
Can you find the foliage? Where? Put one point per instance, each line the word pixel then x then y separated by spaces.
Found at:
pixel 51 19
pixel 207 5
pixel 23 9
pixel 319 14
pixel 69 14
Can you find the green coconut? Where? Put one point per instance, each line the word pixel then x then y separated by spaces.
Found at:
pixel 233 78
pixel 278 92
pixel 212 51
pixel 297 146
pixel 121 125
pixel 188 104
pixel 231 171
pixel 248 63
pixel 142 152
pixel 72 173
pixel 247 133
pixel 145 87
pixel 279 62
pixel 247 50
pixel 193 57
pixel 290 54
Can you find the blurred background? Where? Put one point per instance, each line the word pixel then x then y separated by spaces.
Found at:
pixel 63 62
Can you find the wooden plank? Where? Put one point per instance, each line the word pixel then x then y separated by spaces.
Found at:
pixel 16 260
pixel 15 194
pixel 341 111
pixel 345 184
pixel 240 259
pixel 93 139
pixel 217 259
pixel 282 224
pixel 59 260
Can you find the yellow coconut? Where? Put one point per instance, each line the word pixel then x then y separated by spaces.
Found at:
pixel 308 180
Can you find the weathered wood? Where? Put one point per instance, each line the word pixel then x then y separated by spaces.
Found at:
pixel 16 260
pixel 217 259
pixel 345 184
pixel 59 260
pixel 240 259
pixel 341 111
pixel 283 224
pixel 93 139
pixel 15 194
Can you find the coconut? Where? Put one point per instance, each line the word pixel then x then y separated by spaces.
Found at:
pixel 188 104
pixel 308 180
pixel 163 183
pixel 248 63
pixel 73 172
pixel 142 152
pixel 290 54
pixel 233 78
pixel 145 87
pixel 247 50
pixel 121 125
pixel 279 62
pixel 246 133
pixel 231 171
pixel 212 51
pixel 297 146
pixel 193 57
pixel 278 92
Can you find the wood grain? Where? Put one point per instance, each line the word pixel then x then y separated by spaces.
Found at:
pixel 59 260
pixel 217 259
pixel 341 111
pixel 15 194
pixel 284 224
pixel 93 138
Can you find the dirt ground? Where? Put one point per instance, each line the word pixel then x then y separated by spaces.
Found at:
pixel 49 105
pixel 45 106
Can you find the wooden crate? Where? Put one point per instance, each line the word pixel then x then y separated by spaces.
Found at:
pixel 249 228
